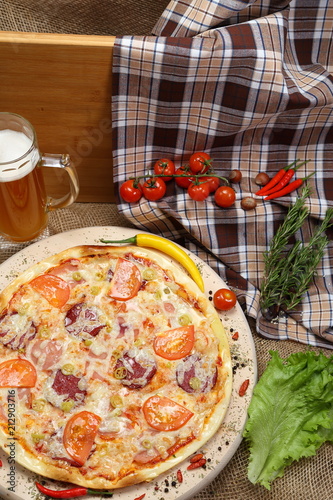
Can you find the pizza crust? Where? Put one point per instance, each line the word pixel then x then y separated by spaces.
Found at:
pixel 65 472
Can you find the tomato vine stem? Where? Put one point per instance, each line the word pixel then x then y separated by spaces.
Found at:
pixel 195 176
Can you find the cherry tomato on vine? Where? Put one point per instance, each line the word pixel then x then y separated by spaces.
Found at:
pixel 164 167
pixel 130 191
pixel 224 299
pixel 154 188
pixel 200 162
pixel 225 196
pixel 213 182
pixel 198 192
pixel 183 182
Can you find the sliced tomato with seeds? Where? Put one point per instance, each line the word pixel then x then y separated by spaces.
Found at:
pixel 164 414
pixel 79 435
pixel 54 289
pixel 126 280
pixel 176 343
pixel 17 373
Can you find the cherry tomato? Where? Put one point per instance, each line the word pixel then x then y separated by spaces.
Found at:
pixel 225 196
pixel 224 299
pixel 17 373
pixel 176 343
pixel 126 280
pixel 213 182
pixel 79 435
pixel 164 167
pixel 183 182
pixel 54 289
pixel 154 189
pixel 130 191
pixel 164 414
pixel 198 192
pixel 200 162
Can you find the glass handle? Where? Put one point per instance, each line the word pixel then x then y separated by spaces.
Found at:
pixel 64 162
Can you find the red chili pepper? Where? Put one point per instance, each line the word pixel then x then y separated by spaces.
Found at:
pixel 140 497
pixel 285 180
pixel 179 476
pixel 243 388
pixel 196 458
pixel 0 463
pixel 196 465
pixel 77 491
pixel 289 188
pixel 277 177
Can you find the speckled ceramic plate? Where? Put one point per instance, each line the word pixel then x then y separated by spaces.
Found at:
pixel 218 450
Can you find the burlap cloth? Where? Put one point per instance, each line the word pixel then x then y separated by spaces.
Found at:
pixel 82 17
pixel 308 479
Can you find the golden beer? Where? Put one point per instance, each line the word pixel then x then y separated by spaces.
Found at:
pixel 24 204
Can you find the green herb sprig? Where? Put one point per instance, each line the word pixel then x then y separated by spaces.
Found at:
pixel 287 275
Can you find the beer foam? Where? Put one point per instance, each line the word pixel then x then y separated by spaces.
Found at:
pixel 14 145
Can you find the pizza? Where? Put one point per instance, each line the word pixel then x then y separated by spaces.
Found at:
pixel 114 366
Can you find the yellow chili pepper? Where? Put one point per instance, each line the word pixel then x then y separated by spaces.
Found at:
pixel 168 247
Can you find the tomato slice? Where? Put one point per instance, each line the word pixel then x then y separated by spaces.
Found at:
pixel 164 414
pixel 54 289
pixel 126 280
pixel 176 343
pixel 17 373
pixel 79 435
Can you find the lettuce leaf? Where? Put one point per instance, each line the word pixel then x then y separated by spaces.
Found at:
pixel 290 415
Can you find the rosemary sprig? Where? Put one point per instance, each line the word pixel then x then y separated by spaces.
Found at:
pixel 271 286
pixel 307 261
pixel 287 275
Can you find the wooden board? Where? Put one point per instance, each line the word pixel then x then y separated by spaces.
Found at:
pixel 62 85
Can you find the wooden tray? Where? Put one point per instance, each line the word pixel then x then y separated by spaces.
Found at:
pixel 62 85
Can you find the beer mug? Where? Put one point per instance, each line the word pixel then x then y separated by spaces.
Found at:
pixel 24 204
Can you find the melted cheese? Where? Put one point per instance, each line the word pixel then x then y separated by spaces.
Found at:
pixel 130 326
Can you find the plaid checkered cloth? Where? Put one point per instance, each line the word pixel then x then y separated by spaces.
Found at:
pixel 249 83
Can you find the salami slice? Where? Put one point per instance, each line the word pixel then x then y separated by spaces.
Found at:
pixel 135 368
pixel 83 321
pixel 16 331
pixel 62 388
pixel 196 373
pixel 69 385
